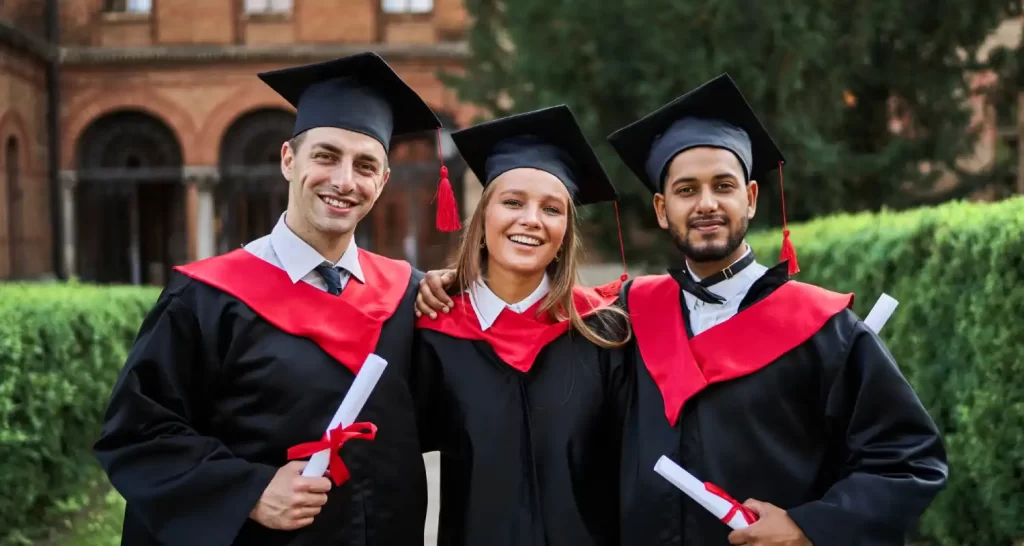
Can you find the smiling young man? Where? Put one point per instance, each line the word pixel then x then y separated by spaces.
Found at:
pixel 248 355
pixel 771 389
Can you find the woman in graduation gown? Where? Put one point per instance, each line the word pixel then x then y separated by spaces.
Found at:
pixel 527 379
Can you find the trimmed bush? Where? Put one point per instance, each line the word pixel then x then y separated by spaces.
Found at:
pixel 958 335
pixel 61 347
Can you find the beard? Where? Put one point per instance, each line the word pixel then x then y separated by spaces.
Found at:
pixel 710 251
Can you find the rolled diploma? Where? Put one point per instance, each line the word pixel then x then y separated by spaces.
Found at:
pixel 880 313
pixel 695 489
pixel 349 409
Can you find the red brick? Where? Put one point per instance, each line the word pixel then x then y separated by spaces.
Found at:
pixel 23 117
pixel 351 21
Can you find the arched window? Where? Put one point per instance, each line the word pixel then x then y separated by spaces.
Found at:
pixel 130 208
pixel 252 193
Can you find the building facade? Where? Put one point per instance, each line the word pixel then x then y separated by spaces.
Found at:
pixel 136 136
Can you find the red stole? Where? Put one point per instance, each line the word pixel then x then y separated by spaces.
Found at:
pixel 347 327
pixel 747 342
pixel 517 338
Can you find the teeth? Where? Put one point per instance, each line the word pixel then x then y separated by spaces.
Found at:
pixel 336 203
pixel 523 239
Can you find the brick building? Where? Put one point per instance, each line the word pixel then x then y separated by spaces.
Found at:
pixel 134 134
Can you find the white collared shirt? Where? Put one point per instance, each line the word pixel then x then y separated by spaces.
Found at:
pixel 284 249
pixel 488 305
pixel 705 315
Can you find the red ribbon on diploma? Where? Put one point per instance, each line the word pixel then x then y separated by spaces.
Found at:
pixel 333 440
pixel 748 514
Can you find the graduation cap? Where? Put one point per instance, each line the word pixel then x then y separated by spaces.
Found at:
pixel 361 93
pixel 713 115
pixel 548 139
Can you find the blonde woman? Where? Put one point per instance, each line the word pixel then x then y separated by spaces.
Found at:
pixel 525 378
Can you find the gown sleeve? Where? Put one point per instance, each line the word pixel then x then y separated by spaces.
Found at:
pixel 185 487
pixel 891 453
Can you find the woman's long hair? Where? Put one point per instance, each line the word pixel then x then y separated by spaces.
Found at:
pixel 562 272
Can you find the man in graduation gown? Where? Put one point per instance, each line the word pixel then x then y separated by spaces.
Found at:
pixel 244 359
pixel 767 389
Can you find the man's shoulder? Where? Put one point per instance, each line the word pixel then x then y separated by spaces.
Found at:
pixel 645 283
pixel 261 248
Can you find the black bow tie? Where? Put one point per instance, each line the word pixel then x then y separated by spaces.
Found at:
pixel 700 289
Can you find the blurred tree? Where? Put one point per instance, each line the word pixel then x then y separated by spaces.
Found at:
pixel 859 95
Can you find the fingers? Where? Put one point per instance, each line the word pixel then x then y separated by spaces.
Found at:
pixel 313 485
pixel 294 468
pixel 438 283
pixel 307 500
pixel 421 307
pixel 740 536
pixel 428 302
pixel 757 506
pixel 299 523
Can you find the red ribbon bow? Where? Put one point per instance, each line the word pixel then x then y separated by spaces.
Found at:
pixel 333 440
pixel 748 514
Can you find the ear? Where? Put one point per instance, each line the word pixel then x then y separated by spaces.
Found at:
pixel 287 161
pixel 751 199
pixel 659 209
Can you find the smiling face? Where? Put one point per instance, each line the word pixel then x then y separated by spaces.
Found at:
pixel 706 205
pixel 335 176
pixel 525 221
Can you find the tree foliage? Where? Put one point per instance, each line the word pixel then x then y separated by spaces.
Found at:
pixel 826 77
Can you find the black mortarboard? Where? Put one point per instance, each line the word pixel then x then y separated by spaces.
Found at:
pixel 360 93
pixel 548 139
pixel 714 114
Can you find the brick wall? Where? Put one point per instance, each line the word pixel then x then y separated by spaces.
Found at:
pixel 23 121
pixel 195 21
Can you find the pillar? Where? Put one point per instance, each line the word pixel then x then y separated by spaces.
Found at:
pixel 205 180
pixel 68 182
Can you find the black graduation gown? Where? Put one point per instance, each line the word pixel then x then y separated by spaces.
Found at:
pixel 528 421
pixel 232 367
pixel 829 430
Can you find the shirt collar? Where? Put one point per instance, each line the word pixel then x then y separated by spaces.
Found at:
pixel 488 305
pixel 737 284
pixel 299 259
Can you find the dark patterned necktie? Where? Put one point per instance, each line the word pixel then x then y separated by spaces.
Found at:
pixel 331 276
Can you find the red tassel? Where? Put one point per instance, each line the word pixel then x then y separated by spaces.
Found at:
pixel 447 207
pixel 611 289
pixel 789 253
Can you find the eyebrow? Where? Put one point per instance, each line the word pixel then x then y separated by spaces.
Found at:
pixel 337 151
pixel 719 176
pixel 546 197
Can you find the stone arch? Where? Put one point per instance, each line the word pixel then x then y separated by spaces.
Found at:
pixel 90 108
pixel 240 103
pixel 252 194
pixel 129 199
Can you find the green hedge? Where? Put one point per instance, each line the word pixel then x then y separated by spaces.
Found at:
pixel 958 334
pixel 61 346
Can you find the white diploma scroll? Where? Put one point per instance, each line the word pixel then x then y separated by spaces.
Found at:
pixel 349 409
pixel 880 313
pixel 696 490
